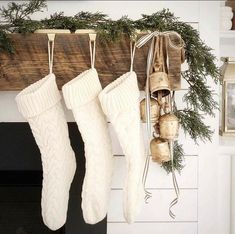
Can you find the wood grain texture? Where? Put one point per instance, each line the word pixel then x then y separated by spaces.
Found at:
pixel 29 63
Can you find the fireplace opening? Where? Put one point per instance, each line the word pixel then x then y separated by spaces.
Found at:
pixel 20 203
pixel 21 184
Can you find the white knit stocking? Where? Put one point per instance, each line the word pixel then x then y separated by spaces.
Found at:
pixel 81 95
pixel 40 105
pixel 120 102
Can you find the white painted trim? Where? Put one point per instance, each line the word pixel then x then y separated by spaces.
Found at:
pixel 232 194
pixel 208 153
pixel 224 194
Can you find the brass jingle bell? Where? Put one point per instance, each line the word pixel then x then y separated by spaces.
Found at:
pixel 155 110
pixel 169 126
pixel 159 83
pixel 160 150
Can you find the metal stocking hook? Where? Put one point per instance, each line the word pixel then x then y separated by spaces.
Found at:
pixel 51 33
pixel 92 37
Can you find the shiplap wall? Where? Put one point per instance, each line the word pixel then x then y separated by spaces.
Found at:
pixel 154 217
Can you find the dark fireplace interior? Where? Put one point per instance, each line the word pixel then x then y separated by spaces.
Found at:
pixel 21 180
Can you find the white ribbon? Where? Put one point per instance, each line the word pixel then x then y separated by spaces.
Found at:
pixel 143 40
pixel 175 183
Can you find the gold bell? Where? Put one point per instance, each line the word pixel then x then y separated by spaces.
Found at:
pixel 159 84
pixel 155 110
pixel 160 150
pixel 169 126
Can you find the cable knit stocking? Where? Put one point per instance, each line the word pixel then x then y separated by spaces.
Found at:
pixel 120 102
pixel 81 95
pixel 40 105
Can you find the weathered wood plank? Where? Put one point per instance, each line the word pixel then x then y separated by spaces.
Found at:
pixel 29 63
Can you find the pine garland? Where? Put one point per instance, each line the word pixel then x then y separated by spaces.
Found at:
pixel 5 44
pixel 199 98
pixel 198 86
pixel 192 123
pixel 17 15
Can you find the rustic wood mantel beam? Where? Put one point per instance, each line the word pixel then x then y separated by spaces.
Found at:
pixel 29 63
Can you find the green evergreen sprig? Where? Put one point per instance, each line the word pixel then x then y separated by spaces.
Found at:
pixel 199 95
pixel 192 123
pixel 15 14
pixel 5 43
pixel 81 20
pixel 199 99
pixel 178 160
pixel 114 30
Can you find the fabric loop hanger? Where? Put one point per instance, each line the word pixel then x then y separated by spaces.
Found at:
pixel 92 43
pixel 132 49
pixel 51 42
pixel 148 114
pixel 92 40
pixel 51 45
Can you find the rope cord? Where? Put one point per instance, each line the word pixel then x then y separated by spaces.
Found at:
pixel 51 46
pixel 92 52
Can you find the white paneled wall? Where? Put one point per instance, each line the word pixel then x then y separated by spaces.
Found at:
pixel 157 209
pixel 153 228
pixel 159 183
pixel 158 178
pixel 154 217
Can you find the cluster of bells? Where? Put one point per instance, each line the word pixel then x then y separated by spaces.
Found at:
pixel 166 124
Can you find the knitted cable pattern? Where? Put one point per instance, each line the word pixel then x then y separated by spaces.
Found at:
pixel 50 130
pixel 120 103
pixel 81 95
pixel 58 161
